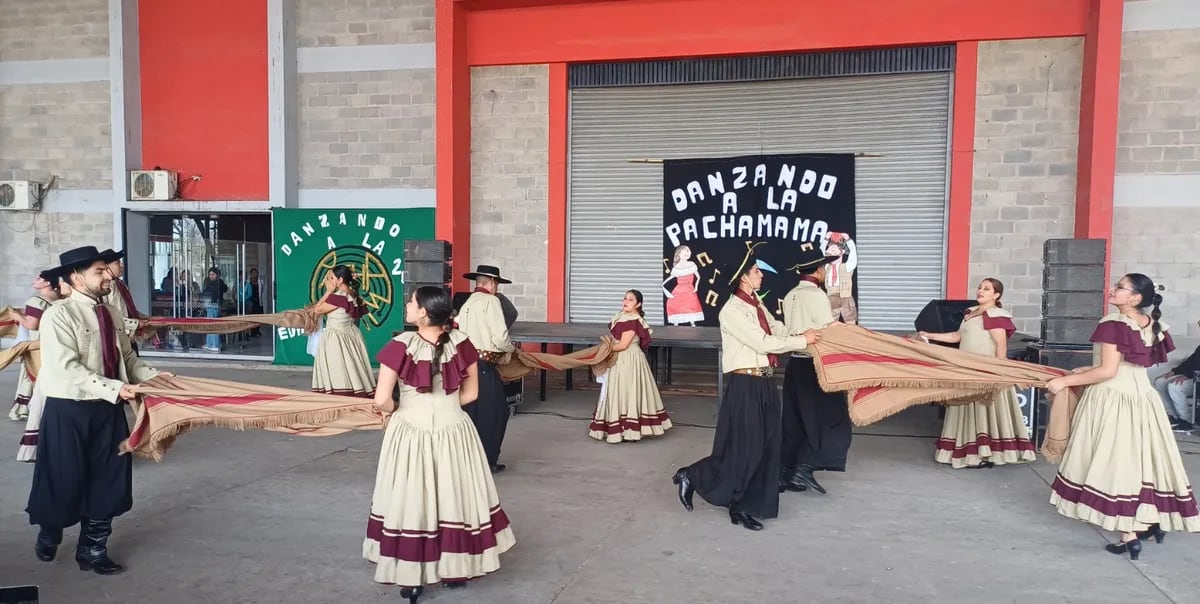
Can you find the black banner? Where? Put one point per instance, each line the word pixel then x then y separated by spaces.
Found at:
pixel 716 210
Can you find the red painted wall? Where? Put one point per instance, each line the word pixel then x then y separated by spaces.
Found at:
pixel 204 95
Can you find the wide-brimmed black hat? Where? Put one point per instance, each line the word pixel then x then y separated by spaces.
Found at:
pixel 110 256
pixel 809 257
pixel 484 270
pixel 79 257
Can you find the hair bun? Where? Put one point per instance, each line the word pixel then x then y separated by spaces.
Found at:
pixel 1157 299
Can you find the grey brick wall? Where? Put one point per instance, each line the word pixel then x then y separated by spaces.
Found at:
pixel 1026 138
pixel 367 129
pixel 361 22
pixel 1159 131
pixel 53 29
pixel 30 243
pixel 1159 134
pixel 52 129
pixel 1161 242
pixel 59 129
pixel 509 166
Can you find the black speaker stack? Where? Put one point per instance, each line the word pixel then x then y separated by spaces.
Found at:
pixel 426 262
pixel 1073 297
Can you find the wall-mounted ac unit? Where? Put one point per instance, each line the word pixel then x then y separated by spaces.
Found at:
pixel 20 195
pixel 152 185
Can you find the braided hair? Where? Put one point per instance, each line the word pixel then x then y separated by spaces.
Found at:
pixel 439 309
pixel 353 285
pixel 1145 287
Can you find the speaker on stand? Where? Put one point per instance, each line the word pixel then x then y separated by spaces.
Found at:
pixel 1073 297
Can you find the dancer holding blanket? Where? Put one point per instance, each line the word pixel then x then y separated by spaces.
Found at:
pixel 342 364
pixel 27 449
pixel 742 473
pixel 991 432
pixel 88 371
pixel 630 406
pixel 1122 470
pixel 435 514
pixel 816 424
pixel 482 319
pixel 44 296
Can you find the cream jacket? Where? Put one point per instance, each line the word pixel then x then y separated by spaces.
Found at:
pixel 114 300
pixel 806 307
pixel 72 362
pixel 482 319
pixel 744 345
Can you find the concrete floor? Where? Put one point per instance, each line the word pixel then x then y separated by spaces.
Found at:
pixel 263 517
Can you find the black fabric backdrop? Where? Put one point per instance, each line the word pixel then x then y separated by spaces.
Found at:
pixel 721 207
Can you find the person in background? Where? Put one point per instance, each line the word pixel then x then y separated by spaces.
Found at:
pixel 27 450
pixel 482 319
pixel 44 295
pixel 342 364
pixel 252 298
pixel 213 296
pixel 1175 387
pixel 630 406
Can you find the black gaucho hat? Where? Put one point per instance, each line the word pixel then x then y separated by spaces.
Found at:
pixel 484 270
pixel 80 257
pixel 808 258
pixel 110 256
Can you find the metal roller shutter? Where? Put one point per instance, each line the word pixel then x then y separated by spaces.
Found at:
pixel 615 206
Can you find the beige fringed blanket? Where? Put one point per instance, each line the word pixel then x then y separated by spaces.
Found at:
pixel 883 375
pixel 10 321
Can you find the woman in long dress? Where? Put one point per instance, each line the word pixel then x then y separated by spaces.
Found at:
pixel 27 449
pixel 342 364
pixel 630 406
pixel 30 320
pixel 1121 469
pixel 435 514
pixel 990 433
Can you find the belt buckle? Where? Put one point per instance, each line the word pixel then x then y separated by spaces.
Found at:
pixel 768 371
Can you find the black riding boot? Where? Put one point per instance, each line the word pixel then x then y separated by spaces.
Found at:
pixel 92 551
pixel 48 540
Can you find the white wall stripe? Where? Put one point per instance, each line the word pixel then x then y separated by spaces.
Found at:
pixel 321 59
pixel 1157 191
pixel 1152 15
pixel 367 199
pixel 72 201
pixel 180 206
pixel 53 71
pixel 283 135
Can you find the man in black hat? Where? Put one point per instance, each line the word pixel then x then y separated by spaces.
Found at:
pixel 88 373
pixel 121 299
pixel 482 319
pixel 816 424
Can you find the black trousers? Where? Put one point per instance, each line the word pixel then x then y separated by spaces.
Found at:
pixel 742 472
pixel 490 411
pixel 816 424
pixel 79 472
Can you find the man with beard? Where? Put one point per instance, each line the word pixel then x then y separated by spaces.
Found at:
pixel 121 299
pixel 482 319
pixel 816 424
pixel 88 372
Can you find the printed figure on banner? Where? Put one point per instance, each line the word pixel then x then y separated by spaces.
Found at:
pixel 716 210
pixel 839 277
pixel 683 301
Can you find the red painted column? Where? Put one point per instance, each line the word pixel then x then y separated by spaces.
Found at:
pixel 1097 163
pixel 453 131
pixel 962 169
pixel 556 214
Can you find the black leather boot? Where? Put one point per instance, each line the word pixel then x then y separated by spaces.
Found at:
pixel 92 551
pixel 48 540
pixel 685 488
pixel 804 478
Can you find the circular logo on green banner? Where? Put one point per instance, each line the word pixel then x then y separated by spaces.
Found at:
pixel 377 290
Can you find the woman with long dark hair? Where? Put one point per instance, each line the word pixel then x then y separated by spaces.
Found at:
pixel 1121 469
pixel 992 432
pixel 342 364
pixel 435 514
pixel 630 406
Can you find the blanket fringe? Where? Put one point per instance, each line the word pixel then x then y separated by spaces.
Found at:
pixel 161 439
pixel 860 419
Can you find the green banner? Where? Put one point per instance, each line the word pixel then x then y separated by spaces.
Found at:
pixel 308 243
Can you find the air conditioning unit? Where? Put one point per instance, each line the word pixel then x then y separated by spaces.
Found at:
pixel 152 185
pixel 20 195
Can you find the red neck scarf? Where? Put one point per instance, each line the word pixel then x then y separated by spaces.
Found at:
pixel 815 281
pixel 123 291
pixel 109 349
pixel 752 300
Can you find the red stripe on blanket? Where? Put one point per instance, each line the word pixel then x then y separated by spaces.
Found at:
pixel 214 401
pixel 858 357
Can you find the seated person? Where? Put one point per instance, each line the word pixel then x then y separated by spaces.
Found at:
pixel 1175 387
